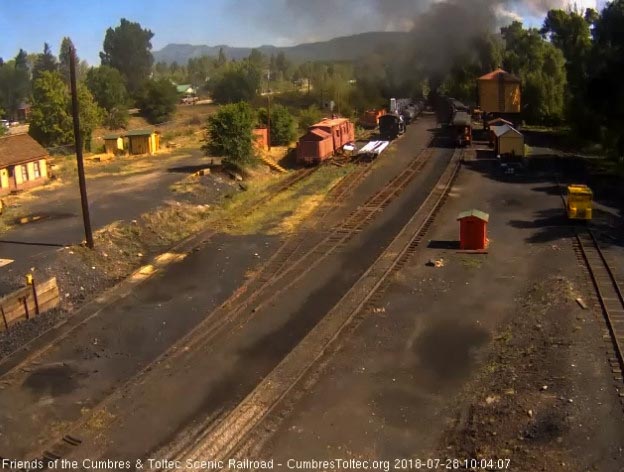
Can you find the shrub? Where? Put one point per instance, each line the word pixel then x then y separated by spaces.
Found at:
pixel 229 133
pixel 157 100
pixel 309 116
pixel 283 126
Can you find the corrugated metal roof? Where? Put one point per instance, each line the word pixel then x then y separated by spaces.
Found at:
pixel 496 75
pixel 111 136
pixel 504 129
pixel 19 148
pixel 476 213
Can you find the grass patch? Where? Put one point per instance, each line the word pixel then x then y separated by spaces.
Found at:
pixel 285 212
pixel 188 186
pixel 472 262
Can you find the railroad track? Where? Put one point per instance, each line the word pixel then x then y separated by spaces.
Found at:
pixel 609 295
pixel 295 259
pixel 252 442
pixel 223 439
pixel 8 364
pixel 289 264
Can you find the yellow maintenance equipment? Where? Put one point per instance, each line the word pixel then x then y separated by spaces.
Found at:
pixel 272 164
pixel 579 204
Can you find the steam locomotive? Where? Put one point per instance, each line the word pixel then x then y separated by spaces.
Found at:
pixel 402 112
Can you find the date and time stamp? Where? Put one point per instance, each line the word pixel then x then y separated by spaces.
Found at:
pixel 311 465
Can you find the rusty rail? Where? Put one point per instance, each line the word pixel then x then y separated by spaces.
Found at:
pixel 278 274
pixel 221 440
pixel 608 291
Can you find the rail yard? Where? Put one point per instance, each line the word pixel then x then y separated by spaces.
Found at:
pixel 267 358
pixel 393 259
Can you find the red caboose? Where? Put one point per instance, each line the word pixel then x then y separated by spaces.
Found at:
pixel 324 139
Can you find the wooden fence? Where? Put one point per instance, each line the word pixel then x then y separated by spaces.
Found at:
pixel 28 302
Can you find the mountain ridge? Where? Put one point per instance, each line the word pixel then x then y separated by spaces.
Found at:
pixel 346 48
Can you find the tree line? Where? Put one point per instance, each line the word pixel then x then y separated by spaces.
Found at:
pixel 570 69
pixel 123 80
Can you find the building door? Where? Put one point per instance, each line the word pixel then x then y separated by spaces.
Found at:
pixel 12 182
pixel 474 234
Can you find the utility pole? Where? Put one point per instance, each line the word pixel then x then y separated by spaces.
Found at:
pixel 269 111
pixel 78 140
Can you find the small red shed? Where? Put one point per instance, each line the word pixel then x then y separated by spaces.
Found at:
pixel 261 138
pixel 473 230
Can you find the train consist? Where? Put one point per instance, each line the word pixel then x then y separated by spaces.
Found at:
pixel 329 137
pixel 402 112
pixel 456 116
pixel 462 128
pixel 324 140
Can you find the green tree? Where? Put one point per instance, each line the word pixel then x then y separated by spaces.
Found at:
pixel 90 114
pixel 3 130
pixel 229 133
pixel 605 86
pixel 109 91
pixel 283 66
pixel 127 48
pixel 237 81
pixel 21 60
pixel 256 59
pixel 283 129
pixel 199 70
pixel 157 100
pixel 45 62
pixel 64 55
pixel 541 66
pixel 50 120
pixel 309 116
pixel 571 33
pixel 221 59
pixel 14 87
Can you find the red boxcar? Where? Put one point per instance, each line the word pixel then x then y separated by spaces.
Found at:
pixel 370 118
pixel 324 139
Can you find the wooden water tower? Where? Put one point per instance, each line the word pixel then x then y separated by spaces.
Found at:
pixel 499 93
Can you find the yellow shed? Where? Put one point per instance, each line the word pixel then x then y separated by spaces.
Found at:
pixel 508 141
pixel 499 92
pixel 113 144
pixel 143 141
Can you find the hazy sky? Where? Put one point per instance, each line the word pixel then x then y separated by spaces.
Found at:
pixel 30 23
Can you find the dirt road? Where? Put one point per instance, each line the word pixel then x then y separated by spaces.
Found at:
pixel 114 197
